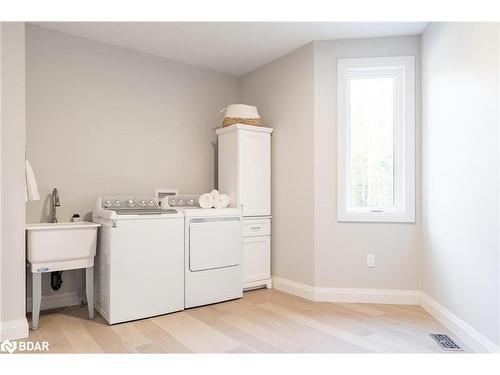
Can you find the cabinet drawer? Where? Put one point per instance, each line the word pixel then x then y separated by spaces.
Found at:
pixel 256 227
pixel 256 258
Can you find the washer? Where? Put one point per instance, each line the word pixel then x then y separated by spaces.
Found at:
pixel 139 266
pixel 213 252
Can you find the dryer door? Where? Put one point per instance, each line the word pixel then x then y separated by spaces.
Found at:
pixel 214 243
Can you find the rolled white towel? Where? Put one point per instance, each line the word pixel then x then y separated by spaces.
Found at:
pixel 214 192
pixel 206 200
pixel 222 201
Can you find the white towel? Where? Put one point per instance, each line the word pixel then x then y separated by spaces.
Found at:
pixel 206 200
pixel 214 192
pixel 221 201
pixel 32 193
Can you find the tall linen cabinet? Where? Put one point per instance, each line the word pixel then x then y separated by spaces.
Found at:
pixel 244 173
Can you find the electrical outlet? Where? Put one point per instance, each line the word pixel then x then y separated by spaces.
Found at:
pixel 370 261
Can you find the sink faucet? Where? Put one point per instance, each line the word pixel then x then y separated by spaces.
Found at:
pixel 55 203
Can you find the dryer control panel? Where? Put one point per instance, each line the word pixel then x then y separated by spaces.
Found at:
pixel 183 201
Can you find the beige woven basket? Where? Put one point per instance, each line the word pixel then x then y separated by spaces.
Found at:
pixel 228 121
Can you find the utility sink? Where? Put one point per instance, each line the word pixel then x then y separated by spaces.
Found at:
pixel 58 247
pixel 61 246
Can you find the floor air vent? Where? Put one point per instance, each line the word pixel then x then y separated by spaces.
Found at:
pixel 446 343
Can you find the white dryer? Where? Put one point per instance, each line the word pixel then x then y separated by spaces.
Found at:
pixel 139 266
pixel 213 252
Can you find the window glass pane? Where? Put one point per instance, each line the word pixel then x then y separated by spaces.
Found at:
pixel 371 135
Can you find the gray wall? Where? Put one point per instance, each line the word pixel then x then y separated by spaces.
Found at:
pixel 283 92
pixel 296 95
pixel 106 120
pixel 460 80
pixel 13 322
pixel 341 248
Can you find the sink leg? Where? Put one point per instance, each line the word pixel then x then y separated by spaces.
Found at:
pixel 36 299
pixel 83 275
pixel 89 286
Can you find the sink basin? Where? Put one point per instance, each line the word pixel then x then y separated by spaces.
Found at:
pixel 61 246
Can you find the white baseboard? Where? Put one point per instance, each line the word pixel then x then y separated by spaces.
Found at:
pixel 293 287
pixel 352 295
pixel 467 334
pixel 56 301
pixel 470 336
pixel 14 329
pixel 251 285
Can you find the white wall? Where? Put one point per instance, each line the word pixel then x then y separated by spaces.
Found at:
pixel 341 248
pixel 283 92
pixel 106 120
pixel 460 80
pixel 13 322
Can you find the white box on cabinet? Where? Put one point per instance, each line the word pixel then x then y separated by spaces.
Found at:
pixel 244 165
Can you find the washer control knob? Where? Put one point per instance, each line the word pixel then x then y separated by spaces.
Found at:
pixel 151 202
pixel 142 203
pixel 191 202
pixel 117 202
pixel 181 202
pixel 130 202
pixel 107 203
pixel 172 202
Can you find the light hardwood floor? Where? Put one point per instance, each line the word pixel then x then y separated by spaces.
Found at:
pixel 263 321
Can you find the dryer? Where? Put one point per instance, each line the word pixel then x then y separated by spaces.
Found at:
pixel 139 266
pixel 213 248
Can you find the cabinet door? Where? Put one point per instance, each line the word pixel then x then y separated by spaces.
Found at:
pixel 256 258
pixel 255 173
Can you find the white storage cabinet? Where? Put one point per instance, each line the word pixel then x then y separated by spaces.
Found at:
pixel 244 165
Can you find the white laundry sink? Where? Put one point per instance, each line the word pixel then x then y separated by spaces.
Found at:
pixel 61 246
pixel 58 247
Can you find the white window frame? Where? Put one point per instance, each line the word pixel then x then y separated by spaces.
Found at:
pixel 402 69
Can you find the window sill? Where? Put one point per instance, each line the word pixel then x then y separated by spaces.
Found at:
pixel 375 217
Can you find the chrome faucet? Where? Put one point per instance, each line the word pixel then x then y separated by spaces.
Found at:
pixel 55 203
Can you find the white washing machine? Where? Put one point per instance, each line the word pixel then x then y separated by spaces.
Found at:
pixel 213 252
pixel 139 265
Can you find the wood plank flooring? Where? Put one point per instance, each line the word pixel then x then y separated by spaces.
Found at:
pixel 263 321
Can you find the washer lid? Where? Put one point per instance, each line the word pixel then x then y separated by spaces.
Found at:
pixel 124 214
pixel 143 211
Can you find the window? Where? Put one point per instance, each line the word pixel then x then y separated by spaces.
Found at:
pixel 376 139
